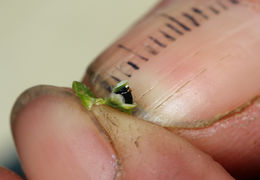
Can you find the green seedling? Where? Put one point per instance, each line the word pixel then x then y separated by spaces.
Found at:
pixel 120 97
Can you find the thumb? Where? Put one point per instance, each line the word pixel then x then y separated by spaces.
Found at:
pixel 194 65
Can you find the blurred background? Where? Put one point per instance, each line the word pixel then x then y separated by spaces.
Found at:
pixel 52 42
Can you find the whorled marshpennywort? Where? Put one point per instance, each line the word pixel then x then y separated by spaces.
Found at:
pixel 120 97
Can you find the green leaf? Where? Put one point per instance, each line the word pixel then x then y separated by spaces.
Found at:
pixel 85 94
pixel 87 101
pixel 82 89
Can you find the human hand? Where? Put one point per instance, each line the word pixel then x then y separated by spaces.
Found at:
pixel 57 138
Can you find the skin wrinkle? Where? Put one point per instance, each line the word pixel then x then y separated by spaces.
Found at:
pixel 150 89
pixel 182 86
pixel 192 79
pixel 166 75
pixel 136 142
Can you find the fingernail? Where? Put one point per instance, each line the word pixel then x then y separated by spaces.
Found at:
pixel 57 138
pixel 208 71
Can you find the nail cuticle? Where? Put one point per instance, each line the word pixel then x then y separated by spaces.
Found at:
pixel 222 116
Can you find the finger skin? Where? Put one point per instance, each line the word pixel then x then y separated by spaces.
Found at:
pixel 6 174
pixel 148 151
pixel 234 142
pixel 57 138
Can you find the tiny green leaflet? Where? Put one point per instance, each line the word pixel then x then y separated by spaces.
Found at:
pixel 114 100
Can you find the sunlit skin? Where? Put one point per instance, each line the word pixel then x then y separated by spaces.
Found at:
pixel 198 96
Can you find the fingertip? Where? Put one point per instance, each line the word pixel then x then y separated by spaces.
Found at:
pixel 56 137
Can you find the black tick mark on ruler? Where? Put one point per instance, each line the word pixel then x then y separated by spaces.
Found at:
pixel 133 65
pixel 186 28
pixel 168 36
pixel 124 73
pixel 223 6
pixel 234 1
pixel 191 18
pixel 172 26
pixel 174 29
pixel 128 75
pixel 115 78
pixel 134 53
pixel 214 10
pixel 156 41
pixel 199 12
pixel 151 50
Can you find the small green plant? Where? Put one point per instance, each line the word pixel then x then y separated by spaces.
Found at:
pixel 120 97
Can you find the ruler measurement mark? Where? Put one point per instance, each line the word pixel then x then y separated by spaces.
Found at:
pixel 234 1
pixel 115 78
pixel 214 10
pixel 186 28
pixel 174 25
pixel 126 74
pixel 166 35
pixel 131 51
pixel 151 50
pixel 133 65
pixel 199 12
pixel 191 18
pixel 174 29
pixel 156 41
pixel 223 6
